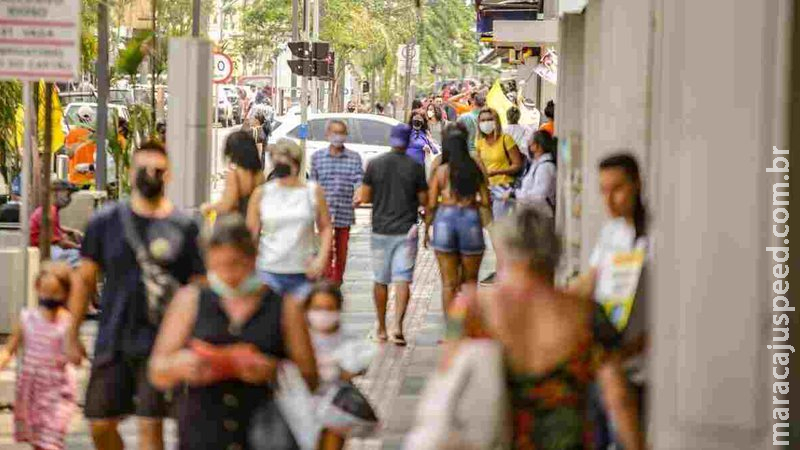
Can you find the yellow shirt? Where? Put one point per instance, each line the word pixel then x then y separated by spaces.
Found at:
pixel 497 156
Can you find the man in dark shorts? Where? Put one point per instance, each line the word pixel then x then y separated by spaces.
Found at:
pixel 167 244
pixel 396 186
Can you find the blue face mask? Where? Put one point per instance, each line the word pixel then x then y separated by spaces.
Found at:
pixel 248 286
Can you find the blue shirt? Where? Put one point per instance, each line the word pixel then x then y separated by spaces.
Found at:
pixel 416 145
pixel 470 120
pixel 339 177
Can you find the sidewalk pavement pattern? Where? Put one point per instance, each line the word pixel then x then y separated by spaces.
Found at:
pixel 393 382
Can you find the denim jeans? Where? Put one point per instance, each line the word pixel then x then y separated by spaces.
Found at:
pixel 287 283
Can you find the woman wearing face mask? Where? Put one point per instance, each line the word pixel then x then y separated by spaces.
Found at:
pixel 282 216
pixel 421 143
pixel 500 157
pixel 555 345
pixel 436 122
pixel 243 176
pixel 225 341
pixel 501 161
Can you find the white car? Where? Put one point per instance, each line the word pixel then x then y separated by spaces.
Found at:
pixel 368 133
pixel 70 114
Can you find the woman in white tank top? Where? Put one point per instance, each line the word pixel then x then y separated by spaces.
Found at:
pixel 283 215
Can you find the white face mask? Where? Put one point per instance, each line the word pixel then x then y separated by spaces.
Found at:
pixel 337 140
pixel 321 320
pixel 487 127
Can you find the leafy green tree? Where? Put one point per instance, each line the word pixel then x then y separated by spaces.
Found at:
pixel 265 24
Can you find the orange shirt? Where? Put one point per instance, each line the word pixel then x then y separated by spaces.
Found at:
pixel 550 127
pixel 80 142
pixel 461 108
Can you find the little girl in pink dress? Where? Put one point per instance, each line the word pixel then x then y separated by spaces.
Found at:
pixel 46 383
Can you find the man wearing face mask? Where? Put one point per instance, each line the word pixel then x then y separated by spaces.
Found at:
pixel 65 241
pixel 145 250
pixel 339 171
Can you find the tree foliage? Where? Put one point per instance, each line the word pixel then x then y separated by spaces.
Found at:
pixel 10 100
pixel 265 24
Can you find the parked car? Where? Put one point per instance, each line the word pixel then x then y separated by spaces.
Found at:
pixel 71 114
pixel 368 133
pixel 224 108
pixel 65 98
pixel 121 96
pixel 232 93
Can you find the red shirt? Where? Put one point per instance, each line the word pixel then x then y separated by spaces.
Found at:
pixel 36 225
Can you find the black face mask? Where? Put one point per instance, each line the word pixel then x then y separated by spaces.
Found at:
pixel 50 303
pixel 282 170
pixel 417 124
pixel 151 188
pixel 62 200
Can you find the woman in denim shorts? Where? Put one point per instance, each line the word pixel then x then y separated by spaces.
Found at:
pixel 456 191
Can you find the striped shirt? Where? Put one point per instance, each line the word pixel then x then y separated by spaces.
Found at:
pixel 339 177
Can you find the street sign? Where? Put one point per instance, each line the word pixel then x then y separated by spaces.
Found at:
pixel 40 40
pixel 405 52
pixel 223 68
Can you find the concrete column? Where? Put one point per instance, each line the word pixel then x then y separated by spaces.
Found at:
pixel 569 117
pixel 717 113
pixel 189 130
pixel 617 47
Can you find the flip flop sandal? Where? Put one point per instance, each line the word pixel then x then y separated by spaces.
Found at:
pixel 374 337
pixel 399 340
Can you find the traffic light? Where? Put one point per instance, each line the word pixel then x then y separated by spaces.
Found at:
pixel 314 59
pixel 301 51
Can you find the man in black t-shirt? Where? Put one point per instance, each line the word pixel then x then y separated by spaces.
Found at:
pixel 396 186
pixel 118 384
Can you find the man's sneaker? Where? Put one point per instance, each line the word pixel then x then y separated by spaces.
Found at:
pixel 488 281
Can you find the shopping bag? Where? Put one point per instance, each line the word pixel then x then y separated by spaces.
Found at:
pixel 344 407
pixel 464 406
pixel 297 405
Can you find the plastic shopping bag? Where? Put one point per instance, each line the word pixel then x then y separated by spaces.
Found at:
pixel 344 407
pixel 298 406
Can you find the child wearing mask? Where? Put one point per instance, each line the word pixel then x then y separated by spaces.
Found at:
pixel 335 358
pixel 46 384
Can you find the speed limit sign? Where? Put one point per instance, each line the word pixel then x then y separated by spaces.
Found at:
pixel 223 68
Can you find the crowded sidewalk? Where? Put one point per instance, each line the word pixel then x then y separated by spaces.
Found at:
pixel 393 382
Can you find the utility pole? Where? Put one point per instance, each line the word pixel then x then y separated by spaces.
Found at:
pixel 315 38
pixel 46 232
pixel 102 97
pixel 195 18
pixel 153 52
pixel 295 38
pixel 306 73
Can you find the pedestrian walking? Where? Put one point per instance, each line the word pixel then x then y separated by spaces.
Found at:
pixel 550 114
pixel 436 122
pixel 339 171
pixel 477 102
pixel 621 253
pixel 555 345
pixel 522 134
pixel 501 161
pixel 81 148
pixel 65 241
pixel 243 176
pixel 395 185
pixel 225 342
pixel 282 215
pixel 145 250
pixel 457 190
pixel 420 145
pixel 46 389
pixel 538 188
